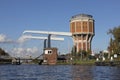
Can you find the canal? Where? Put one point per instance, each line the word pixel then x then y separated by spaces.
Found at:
pixel 58 72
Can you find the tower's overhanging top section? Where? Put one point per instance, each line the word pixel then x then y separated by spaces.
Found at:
pixel 81 16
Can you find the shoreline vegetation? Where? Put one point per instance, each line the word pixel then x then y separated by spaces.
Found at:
pixel 77 63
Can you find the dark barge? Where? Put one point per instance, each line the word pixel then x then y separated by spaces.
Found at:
pixel 107 63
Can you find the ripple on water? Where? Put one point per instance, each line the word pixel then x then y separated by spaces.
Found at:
pixel 58 72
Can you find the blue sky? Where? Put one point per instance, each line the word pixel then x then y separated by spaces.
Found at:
pixel 54 15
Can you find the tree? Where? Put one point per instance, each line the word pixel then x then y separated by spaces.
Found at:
pixel 82 54
pixel 73 51
pixel 2 52
pixel 114 45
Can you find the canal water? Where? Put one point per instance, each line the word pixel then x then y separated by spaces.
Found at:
pixel 58 72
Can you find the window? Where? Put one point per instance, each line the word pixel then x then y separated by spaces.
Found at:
pixel 49 52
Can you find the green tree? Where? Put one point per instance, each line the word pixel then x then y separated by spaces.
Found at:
pixel 73 51
pixel 114 45
pixel 2 52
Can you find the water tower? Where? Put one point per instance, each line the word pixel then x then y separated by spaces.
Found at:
pixel 82 29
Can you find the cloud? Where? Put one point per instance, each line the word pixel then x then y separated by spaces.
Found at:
pixel 25 52
pixel 20 52
pixel 23 38
pixel 4 39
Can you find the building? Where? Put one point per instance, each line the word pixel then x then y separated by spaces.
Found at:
pixel 82 29
pixel 50 56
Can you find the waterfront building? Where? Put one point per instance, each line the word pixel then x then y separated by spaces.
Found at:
pixel 82 29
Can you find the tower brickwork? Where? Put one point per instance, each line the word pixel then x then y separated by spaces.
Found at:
pixel 82 29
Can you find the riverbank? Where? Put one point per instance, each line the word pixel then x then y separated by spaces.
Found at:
pixel 88 62
pixel 5 61
pixel 91 63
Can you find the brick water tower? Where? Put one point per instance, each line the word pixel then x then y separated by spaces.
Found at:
pixel 82 29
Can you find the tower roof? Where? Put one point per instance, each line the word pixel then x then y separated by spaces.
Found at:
pixel 81 16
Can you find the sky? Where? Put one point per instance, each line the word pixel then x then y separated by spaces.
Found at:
pixel 53 15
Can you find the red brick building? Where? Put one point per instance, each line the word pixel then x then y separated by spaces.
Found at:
pixel 50 55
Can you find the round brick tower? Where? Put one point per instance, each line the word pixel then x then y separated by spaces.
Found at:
pixel 82 29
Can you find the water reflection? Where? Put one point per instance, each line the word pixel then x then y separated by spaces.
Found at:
pixel 95 73
pixel 82 72
pixel 106 73
pixel 58 72
pixel 35 72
